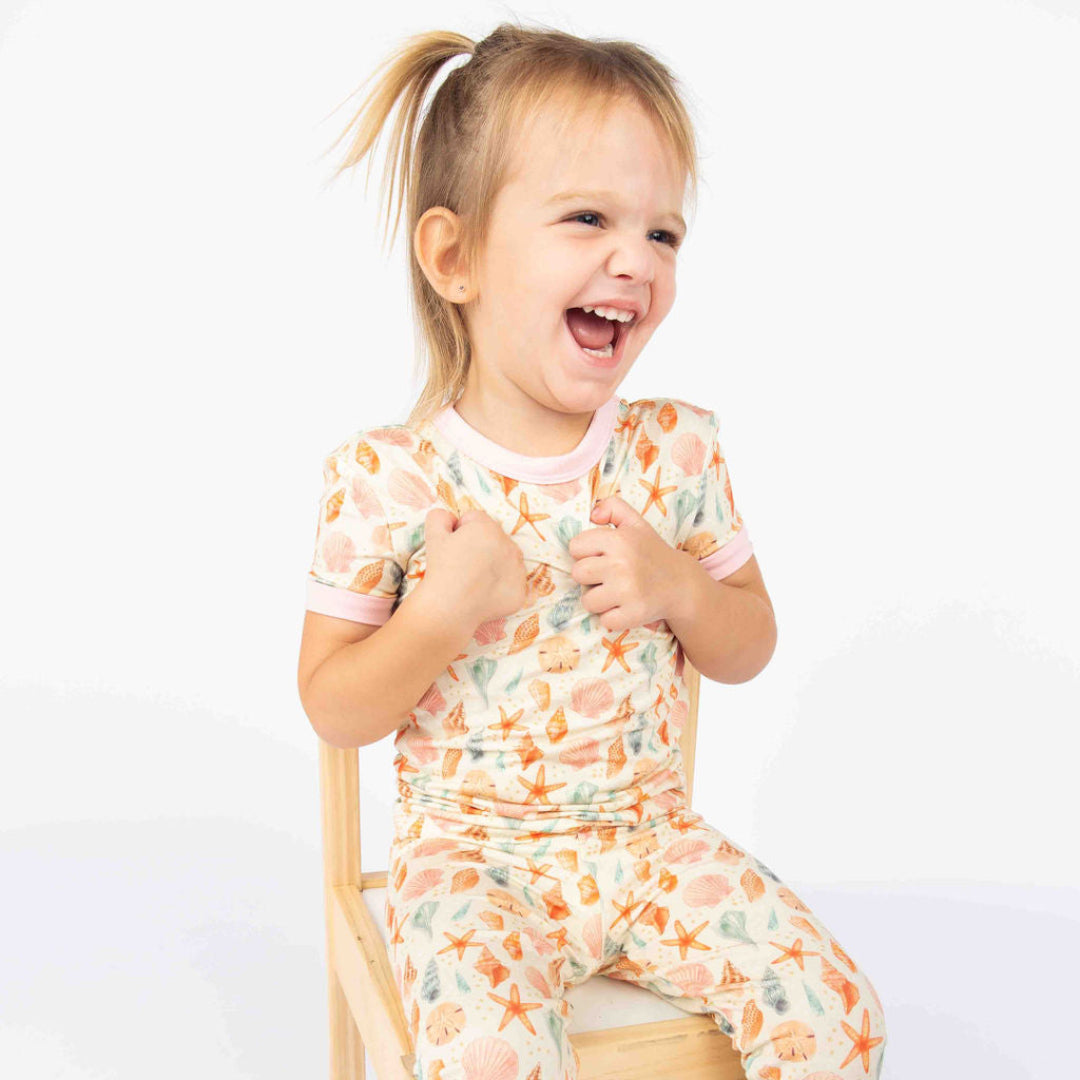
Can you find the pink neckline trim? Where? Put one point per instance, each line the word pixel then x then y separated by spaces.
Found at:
pixel 555 469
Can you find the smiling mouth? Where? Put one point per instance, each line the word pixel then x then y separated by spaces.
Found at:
pixel 620 332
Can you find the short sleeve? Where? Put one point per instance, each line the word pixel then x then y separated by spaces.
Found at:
pixel 717 538
pixel 355 572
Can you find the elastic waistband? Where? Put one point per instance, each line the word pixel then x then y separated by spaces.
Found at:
pixel 412 821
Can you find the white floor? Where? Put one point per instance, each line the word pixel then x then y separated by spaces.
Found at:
pixel 181 949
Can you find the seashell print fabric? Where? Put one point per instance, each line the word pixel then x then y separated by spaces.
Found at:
pixel 486 936
pixel 541 832
pixel 549 720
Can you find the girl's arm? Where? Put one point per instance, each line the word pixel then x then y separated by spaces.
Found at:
pixel 358 681
pixel 726 626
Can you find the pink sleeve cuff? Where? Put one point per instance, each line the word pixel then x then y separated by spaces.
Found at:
pixel 343 604
pixel 730 557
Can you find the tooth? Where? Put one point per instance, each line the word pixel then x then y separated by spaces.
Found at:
pixel 618 314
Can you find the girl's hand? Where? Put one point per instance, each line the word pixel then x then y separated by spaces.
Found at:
pixel 631 570
pixel 473 564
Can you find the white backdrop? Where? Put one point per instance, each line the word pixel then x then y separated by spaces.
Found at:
pixel 879 297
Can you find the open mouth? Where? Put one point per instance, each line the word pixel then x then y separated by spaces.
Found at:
pixel 610 354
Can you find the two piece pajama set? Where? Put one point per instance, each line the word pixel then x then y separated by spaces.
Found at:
pixel 541 830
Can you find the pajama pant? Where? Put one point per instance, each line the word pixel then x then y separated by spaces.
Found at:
pixel 489 923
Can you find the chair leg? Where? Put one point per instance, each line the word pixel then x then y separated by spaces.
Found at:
pixel 346 1049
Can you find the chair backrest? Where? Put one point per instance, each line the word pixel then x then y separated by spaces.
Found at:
pixel 339 793
pixel 688 737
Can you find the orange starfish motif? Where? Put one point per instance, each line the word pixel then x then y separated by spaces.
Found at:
pixel 625 909
pixel 539 834
pixel 460 943
pixel 395 937
pixel 515 1009
pixel 507 723
pixel 684 824
pixel 629 423
pixel 538 791
pixel 656 493
pixel 715 461
pixel 617 650
pixel 525 518
pixel 403 766
pixel 863 1044
pixel 536 871
pixel 686 940
pixel 793 952
pixel 559 937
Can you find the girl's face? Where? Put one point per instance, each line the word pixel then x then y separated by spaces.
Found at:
pixel 548 251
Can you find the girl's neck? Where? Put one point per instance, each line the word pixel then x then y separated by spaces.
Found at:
pixel 523 426
pixel 552 468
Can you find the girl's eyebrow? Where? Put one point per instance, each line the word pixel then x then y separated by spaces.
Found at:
pixel 569 196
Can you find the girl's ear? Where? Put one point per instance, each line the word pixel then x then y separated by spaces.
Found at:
pixel 436 244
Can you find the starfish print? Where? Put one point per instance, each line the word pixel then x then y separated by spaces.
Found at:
pixel 395 937
pixel 656 493
pixel 537 789
pixel 793 952
pixel 686 940
pixel 625 909
pixel 514 1008
pixel 536 871
pixel 629 423
pixel 460 944
pixel 559 937
pixel 525 518
pixel 538 834
pixel 403 766
pixel 863 1044
pixel 507 723
pixel 684 824
pixel 617 651
pixel 715 461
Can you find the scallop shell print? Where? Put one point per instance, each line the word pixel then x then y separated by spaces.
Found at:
pixel 490 1058
pixel 688 453
pixel 707 891
pixel 591 697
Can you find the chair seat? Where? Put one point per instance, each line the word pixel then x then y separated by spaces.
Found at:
pixel 598 1003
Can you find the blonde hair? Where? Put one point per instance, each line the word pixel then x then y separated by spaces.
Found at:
pixel 467 140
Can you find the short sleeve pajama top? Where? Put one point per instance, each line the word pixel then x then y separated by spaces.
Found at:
pixel 548 721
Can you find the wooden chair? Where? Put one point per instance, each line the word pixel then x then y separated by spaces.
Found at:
pixel 621 1031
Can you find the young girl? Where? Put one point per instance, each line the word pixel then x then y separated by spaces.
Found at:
pixel 510 582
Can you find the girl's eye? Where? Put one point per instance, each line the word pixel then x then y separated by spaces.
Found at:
pixel 672 238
